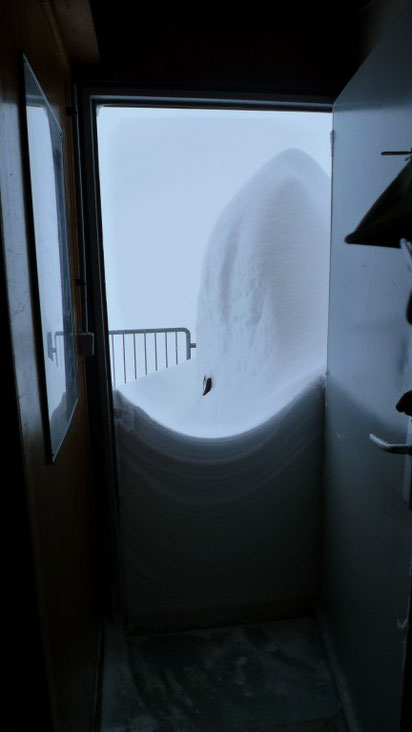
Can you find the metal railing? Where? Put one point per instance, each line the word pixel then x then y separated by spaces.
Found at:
pixel 138 352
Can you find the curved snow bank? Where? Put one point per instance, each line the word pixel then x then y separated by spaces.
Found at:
pixel 262 308
pixel 220 529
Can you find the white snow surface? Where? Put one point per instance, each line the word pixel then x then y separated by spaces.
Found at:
pixel 262 307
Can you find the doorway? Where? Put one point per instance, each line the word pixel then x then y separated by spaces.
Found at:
pixel 240 254
pixel 203 539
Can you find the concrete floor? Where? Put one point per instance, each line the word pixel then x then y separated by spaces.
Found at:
pixel 267 677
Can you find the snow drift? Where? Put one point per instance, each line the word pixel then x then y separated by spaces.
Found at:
pixel 219 495
pixel 262 307
pixel 220 529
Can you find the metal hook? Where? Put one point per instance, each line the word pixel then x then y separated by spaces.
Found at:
pixel 408 153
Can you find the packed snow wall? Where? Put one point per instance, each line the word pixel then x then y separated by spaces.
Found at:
pixel 220 492
pixel 214 530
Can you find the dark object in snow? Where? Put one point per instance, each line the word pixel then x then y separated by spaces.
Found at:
pixel 389 219
pixel 405 403
pixel 207 384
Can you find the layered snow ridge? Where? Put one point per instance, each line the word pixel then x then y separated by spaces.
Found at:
pixel 262 307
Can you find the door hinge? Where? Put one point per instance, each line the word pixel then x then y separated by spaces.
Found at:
pixel 85 343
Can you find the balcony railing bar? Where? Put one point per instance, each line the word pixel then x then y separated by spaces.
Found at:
pixel 128 353
pixel 155 345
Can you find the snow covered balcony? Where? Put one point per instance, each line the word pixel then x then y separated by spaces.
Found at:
pixel 220 489
pixel 262 307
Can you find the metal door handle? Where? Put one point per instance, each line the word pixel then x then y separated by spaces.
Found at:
pixel 389 447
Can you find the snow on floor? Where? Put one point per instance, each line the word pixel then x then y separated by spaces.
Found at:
pixel 262 307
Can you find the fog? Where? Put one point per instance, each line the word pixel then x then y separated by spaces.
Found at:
pixel 165 176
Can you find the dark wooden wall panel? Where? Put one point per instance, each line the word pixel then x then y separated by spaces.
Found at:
pixel 59 496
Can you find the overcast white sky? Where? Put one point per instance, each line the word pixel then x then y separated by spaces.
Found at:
pixel 165 175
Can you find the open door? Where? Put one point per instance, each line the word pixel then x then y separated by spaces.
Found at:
pixel 368 522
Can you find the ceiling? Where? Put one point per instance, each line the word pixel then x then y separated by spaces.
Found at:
pixel 296 49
